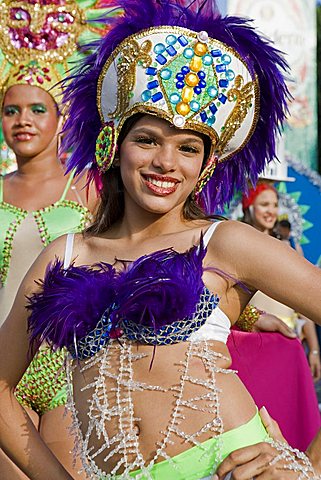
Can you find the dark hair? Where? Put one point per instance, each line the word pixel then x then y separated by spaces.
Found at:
pixel 285 223
pixel 111 207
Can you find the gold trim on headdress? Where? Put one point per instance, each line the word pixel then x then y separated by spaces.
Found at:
pixel 193 81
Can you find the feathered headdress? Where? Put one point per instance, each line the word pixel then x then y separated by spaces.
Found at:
pixel 198 70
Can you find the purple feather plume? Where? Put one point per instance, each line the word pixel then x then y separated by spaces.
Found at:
pixel 154 290
pixel 83 123
pixel 70 302
pixel 160 288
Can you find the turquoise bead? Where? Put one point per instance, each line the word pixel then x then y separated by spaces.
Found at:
pixel 166 74
pixel 230 75
pixel 212 92
pixel 207 60
pixel 195 106
pixel 174 98
pixel 171 39
pixel 226 59
pixel 146 95
pixel 159 48
pixel 188 53
pixel 211 120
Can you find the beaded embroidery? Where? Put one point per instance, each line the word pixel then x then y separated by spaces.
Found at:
pixel 125 442
pixel 11 226
pixel 177 331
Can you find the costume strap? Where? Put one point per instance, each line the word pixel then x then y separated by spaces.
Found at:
pixel 1 188
pixel 68 250
pixel 209 232
pixel 68 184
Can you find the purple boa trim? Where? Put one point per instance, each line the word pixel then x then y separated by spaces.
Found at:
pixel 83 123
pixel 154 290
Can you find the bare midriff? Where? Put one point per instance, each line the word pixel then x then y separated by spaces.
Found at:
pixel 153 409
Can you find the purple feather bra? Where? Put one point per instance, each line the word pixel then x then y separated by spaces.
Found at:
pixel 159 299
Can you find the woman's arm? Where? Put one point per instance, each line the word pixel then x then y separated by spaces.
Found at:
pixel 264 263
pixel 19 438
pixel 310 335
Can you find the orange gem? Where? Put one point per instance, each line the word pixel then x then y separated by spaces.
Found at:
pixel 183 108
pixel 196 64
pixel 200 49
pixel 192 79
pixel 187 94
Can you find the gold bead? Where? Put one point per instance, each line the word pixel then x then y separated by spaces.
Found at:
pixel 196 64
pixel 187 94
pixel 183 108
pixel 200 49
pixel 191 79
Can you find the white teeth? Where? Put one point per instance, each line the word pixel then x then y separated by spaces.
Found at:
pixel 159 183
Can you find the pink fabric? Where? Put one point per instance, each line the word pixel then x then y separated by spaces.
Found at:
pixel 276 372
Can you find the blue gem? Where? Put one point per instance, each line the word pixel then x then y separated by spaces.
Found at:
pixel 230 75
pixel 195 106
pixel 223 83
pixel 174 98
pixel 166 74
pixel 180 76
pixel 171 39
pixel 213 108
pixel 151 71
pixel 185 70
pixel 188 53
pixel 212 91
pixel 152 84
pixel 222 98
pixel 226 59
pixel 202 84
pixel 171 51
pixel 180 85
pixel 207 60
pixel 220 68
pixel 161 59
pixel 211 120
pixel 203 116
pixel 182 40
pixel 201 74
pixel 146 95
pixel 159 48
pixel 157 96
pixel 216 53
pixel 197 90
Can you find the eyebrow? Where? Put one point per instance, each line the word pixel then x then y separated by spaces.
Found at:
pixel 149 131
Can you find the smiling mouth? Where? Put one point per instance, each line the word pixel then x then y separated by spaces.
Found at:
pixel 160 185
pixel 23 136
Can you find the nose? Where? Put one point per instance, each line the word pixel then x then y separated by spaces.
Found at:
pixel 23 118
pixel 164 158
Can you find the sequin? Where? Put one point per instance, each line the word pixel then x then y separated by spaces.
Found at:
pixel 182 40
pixel 153 84
pixel 212 92
pixel 146 94
pixel 161 59
pixel 195 106
pixel 156 97
pixel 207 60
pixel 174 98
pixel 171 51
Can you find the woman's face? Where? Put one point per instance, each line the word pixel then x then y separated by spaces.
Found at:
pixel 160 164
pixel 265 210
pixel 29 121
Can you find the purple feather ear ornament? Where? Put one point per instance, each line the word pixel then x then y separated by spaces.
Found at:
pixel 265 86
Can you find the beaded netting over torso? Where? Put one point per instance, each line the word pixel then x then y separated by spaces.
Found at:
pixel 24 234
pixel 110 434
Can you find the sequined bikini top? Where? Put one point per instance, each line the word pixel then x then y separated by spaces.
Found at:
pixel 53 221
pixel 159 299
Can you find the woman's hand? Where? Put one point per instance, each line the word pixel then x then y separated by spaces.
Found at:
pixel 255 461
pixel 270 323
pixel 315 364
